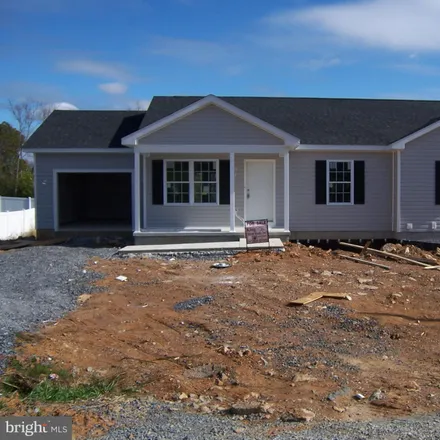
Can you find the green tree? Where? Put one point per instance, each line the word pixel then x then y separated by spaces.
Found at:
pixel 11 141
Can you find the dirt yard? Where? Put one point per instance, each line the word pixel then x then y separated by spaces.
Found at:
pixel 242 345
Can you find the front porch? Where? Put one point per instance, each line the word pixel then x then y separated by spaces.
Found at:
pixel 153 236
pixel 241 192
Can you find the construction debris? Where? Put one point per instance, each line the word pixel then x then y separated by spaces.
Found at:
pixel 318 295
pixel 370 263
pixel 387 254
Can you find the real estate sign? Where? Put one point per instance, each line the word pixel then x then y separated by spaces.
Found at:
pixel 256 231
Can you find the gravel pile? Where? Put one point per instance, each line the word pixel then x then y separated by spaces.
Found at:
pixel 193 303
pixel 196 255
pixel 40 284
pixel 154 421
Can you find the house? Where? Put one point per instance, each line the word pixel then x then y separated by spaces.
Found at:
pixel 192 168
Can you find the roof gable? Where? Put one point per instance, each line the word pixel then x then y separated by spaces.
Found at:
pixel 200 104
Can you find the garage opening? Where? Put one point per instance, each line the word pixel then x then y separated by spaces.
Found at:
pixel 94 201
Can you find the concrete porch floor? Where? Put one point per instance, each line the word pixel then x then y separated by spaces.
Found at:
pixel 239 245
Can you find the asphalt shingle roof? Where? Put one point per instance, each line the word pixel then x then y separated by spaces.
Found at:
pixel 325 121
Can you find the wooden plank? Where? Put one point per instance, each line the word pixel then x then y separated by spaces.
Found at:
pixel 318 295
pixel 387 254
pixel 431 267
pixel 370 263
pixel 306 299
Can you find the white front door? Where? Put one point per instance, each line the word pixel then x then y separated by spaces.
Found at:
pixel 259 190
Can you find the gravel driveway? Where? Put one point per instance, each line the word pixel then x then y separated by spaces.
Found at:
pixel 40 284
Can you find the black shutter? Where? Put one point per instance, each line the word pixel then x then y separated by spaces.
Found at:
pixel 437 182
pixel 157 181
pixel 224 182
pixel 321 182
pixel 359 182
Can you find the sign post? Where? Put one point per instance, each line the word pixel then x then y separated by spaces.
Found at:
pixel 256 231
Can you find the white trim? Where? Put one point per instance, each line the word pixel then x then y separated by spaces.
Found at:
pixel 351 183
pixel 400 144
pixel 56 171
pixel 132 139
pixel 78 150
pixel 398 191
pixel 353 148
pixel 246 161
pixel 393 195
pixel 231 192
pixel 286 192
pixel 212 149
pixel 144 191
pixel 191 181
pixel 137 191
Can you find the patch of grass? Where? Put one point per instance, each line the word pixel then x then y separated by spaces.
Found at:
pixel 58 392
pixel 45 382
pixel 3 405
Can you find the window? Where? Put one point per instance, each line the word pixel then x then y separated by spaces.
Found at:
pixel 340 182
pixel 177 175
pixel 191 182
pixel 205 182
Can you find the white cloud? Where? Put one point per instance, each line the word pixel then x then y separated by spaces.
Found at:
pixel 46 110
pixel 113 88
pixel 320 63
pixel 385 24
pixel 113 71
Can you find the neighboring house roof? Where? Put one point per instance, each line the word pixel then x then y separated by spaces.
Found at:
pixel 315 121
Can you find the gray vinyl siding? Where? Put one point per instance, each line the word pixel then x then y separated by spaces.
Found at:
pixel 47 163
pixel 374 215
pixel 211 126
pixel 418 183
pixel 181 216
pixel 171 216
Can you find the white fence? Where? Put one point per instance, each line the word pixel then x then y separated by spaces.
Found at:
pixel 15 203
pixel 17 224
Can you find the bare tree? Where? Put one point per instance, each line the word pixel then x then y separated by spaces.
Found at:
pixel 27 115
pixel 139 104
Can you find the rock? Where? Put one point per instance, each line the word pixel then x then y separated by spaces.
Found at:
pixel 239 430
pixel 326 273
pixel 90 370
pixel 336 272
pixel 338 409
pixel 205 409
pixel 377 395
pixel 303 415
pixel 367 286
pixel 245 409
pixel 300 377
pixel 359 396
pixel 364 280
pixel 386 404
pixel 183 396
pixel 342 392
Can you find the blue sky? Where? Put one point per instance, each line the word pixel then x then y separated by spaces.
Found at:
pixel 96 54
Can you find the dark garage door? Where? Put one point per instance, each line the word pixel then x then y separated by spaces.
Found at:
pixel 94 199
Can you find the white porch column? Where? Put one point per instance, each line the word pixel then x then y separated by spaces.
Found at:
pixel 232 192
pixel 286 191
pixel 137 191
pixel 144 191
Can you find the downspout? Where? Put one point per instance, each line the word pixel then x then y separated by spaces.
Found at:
pixel 393 192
